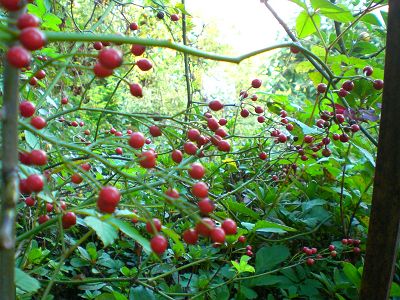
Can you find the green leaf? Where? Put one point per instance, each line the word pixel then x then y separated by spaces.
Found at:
pixel 51 21
pixel 395 290
pixel 371 19
pixel 305 26
pixel 26 282
pixel 243 266
pixel 299 3
pixel 270 256
pixel 305 128
pixel 352 274
pixel 178 247
pixel 131 232
pixel 31 139
pixel 268 226
pixel 141 293
pixel 241 208
pixel 332 11
pixel 106 232
pixel 365 152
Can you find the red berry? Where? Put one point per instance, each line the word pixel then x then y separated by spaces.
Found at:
pixel 368 70
pixel 29 201
pixel 215 140
pixel 331 247
pixel 64 101
pixel 105 43
pixel 147 159
pixel 242 239
pixel 343 93
pixel 260 119
pixel 11 5
pixel 224 146
pixel 217 235
pixel 190 236
pixel 355 128
pixel 38 122
pixel 308 139
pixel 222 121
pixel 344 241
pixel 204 227
pixel 294 49
pixel 229 226
pixel 101 71
pixel 26 109
pixel 33 81
pixel 98 46
pixel 76 178
pixel 333 253
pixel 326 152
pixel 174 17
pixel 249 253
pixel 378 84
pixel 18 57
pixel 86 167
pixel 155 131
pixel 32 38
pixel 24 158
pixel 215 105
pixel 63 206
pixel 344 138
pixel 137 140
pixel 321 88
pixel 49 207
pixel 144 64
pixel 254 97
pixel 138 50
pixel 310 261
pixel 119 151
pixel 282 138
pixel 38 157
pixel 193 134
pixel 190 148
pixel 136 90
pixel 23 187
pixel 196 171
pixel 256 83
pixel 244 113
pixel 159 244
pixel 27 20
pixel 263 155
pixel 108 199
pixel 200 189
pixel 153 227
pixel 40 74
pixel 43 219
pixel 68 220
pixel 206 206
pixel 213 124
pixel 356 250
pixel 35 182
pixel 249 247
pixel 244 94
pixel 172 193
pixel 259 110
pixel 177 156
pixel 110 58
pixel 348 85
pixel 133 26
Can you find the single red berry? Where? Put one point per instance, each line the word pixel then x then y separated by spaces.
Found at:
pixel 216 105
pixel 249 253
pixel 204 226
pixel 40 74
pixel 98 46
pixel 74 124
pixel 256 83
pixel 24 158
pixel 136 90
pixel 108 199
pixel 222 121
pixel 193 134
pixel 18 57
pixel 244 94
pixel 378 84
pixel 174 17
pixel 340 118
pixel 33 81
pixel 244 113
pixel 331 247
pixel 172 193
pixel 38 122
pixel 81 124
pixel 119 151
pixel 133 26
pixel 159 244
pixel 137 140
pixel 342 93
pixel 68 220
pixel 38 157
pixel 11 5
pixel 101 71
pixel 282 138
pixel 76 178
pixel 32 38
pixel 217 235
pixel 27 20
pixel 64 101
pixel 208 115
pixel 49 207
pixel 213 124
pixel 242 239
pixel 321 88
pixel 43 219
pixel 86 167
pixel 196 171
pixel 29 201
pixel 344 138
pixel 356 250
pixel 275 177
pixel 200 189
pixel 206 206
pixel 154 226
pixel 110 58
pixel 260 119
pixel 177 156
pixel 310 261
pixel 368 70
pixel 254 97
pixel 263 155
pixel 190 236
pixel 326 152
pixel 63 206
pixel 294 49
pixel 190 148
pixel 333 253
pixel 348 85
pixel 355 128
pixel 344 241
pixel 249 247
pixel 224 146
pixel 229 226
pixel 147 159
pixel 308 139
pixel 138 50
pixel 259 110
pixel 155 131
pixel 144 64
pixel 215 140
pixel 105 43
pixel 35 182
pixel 27 109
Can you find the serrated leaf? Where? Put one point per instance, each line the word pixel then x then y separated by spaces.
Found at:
pixel 131 232
pixel 106 232
pixel 26 282
pixel 305 26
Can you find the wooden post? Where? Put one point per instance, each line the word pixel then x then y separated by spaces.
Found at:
pixel 384 222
